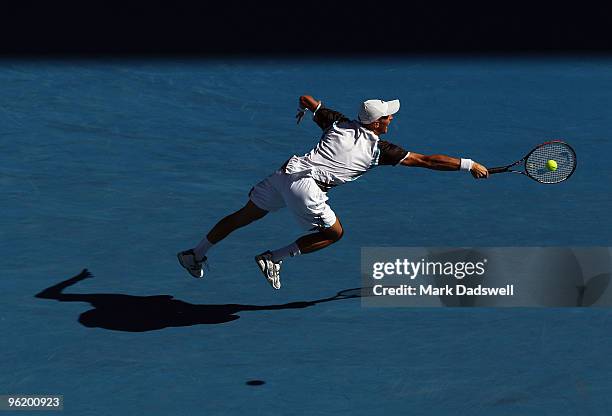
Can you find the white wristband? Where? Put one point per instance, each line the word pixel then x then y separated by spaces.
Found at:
pixel 317 109
pixel 466 165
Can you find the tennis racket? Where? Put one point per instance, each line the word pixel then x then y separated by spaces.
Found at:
pixel 536 163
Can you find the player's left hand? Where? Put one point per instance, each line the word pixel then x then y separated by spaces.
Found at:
pixel 478 171
pixel 300 114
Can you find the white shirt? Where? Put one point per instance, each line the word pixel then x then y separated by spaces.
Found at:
pixel 345 151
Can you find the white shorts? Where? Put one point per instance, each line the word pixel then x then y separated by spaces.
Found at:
pixel 300 194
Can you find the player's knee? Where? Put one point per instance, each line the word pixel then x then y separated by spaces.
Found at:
pixel 339 234
pixel 335 233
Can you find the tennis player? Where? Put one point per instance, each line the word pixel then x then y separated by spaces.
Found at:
pixel 347 149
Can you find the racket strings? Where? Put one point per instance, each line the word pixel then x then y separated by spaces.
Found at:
pixel 561 153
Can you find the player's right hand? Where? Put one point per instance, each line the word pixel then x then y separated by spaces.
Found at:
pixel 478 171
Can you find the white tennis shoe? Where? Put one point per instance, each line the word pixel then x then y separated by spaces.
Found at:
pixel 270 269
pixel 188 260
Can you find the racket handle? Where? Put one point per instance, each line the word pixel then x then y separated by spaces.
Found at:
pixel 498 170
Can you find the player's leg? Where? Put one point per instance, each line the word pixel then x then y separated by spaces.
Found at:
pixel 309 205
pixel 263 198
pixel 321 239
pixel 309 243
pixel 244 216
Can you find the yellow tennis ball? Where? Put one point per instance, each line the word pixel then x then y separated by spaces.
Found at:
pixel 551 165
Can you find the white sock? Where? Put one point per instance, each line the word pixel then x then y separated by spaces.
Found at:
pixel 291 250
pixel 202 248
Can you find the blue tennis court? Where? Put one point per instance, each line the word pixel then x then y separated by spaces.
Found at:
pixel 110 167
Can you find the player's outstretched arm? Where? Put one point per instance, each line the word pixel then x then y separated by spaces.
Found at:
pixel 443 162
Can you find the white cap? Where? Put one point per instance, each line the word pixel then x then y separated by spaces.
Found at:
pixel 372 110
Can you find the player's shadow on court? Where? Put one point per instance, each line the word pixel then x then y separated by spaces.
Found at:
pixel 148 313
